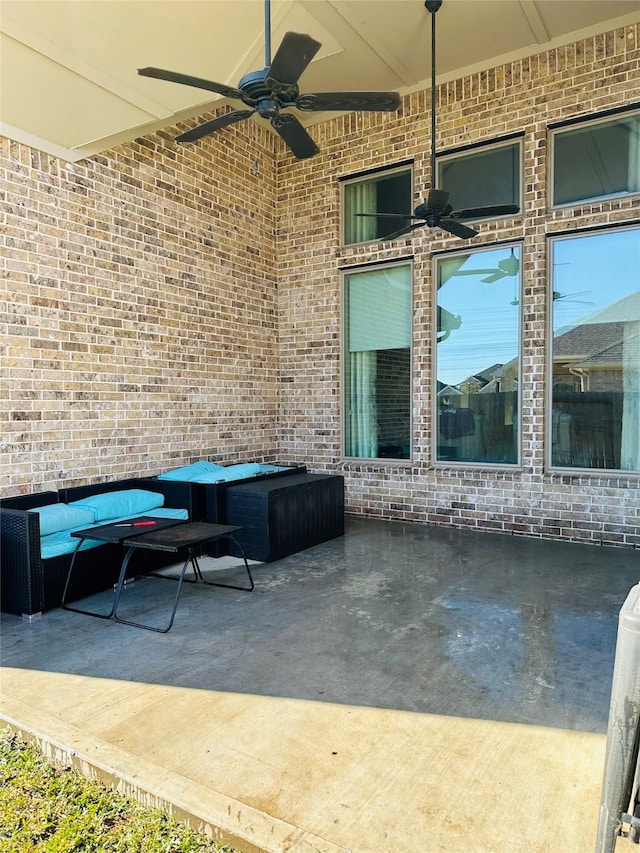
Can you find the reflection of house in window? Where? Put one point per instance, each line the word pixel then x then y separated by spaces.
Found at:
pixel 596 385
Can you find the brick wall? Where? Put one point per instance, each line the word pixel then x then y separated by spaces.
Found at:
pixel 139 309
pixel 163 303
pixel 524 96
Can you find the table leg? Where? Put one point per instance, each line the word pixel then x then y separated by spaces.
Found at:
pixel 66 606
pixel 229 585
pixel 200 578
pixel 147 627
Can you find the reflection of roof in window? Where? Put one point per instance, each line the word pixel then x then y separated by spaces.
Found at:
pixel 588 340
pixel 627 350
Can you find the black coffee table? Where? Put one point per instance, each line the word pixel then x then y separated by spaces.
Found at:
pixel 115 532
pixel 189 536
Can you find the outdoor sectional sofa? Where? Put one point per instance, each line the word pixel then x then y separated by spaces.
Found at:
pixel 36 546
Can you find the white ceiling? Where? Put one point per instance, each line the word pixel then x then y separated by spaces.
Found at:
pixel 68 68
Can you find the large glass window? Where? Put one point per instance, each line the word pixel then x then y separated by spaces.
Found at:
pixel 597 160
pixel 595 362
pixel 482 177
pixel 383 192
pixel 377 363
pixel 477 356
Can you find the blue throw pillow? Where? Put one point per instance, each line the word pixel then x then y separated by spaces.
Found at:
pixel 54 518
pixel 192 473
pixel 120 504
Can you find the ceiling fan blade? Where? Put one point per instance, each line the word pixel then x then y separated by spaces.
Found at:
pixel 493 211
pixel 215 124
pixel 347 101
pixel 391 215
pixel 477 272
pixel 437 199
pixel 292 57
pixel 402 231
pixel 198 82
pixel 457 228
pixel 296 137
pixel 495 277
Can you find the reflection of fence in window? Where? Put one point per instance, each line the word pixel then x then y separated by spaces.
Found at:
pixel 587 429
pixel 479 427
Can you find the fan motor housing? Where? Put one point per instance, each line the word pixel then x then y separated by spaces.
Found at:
pixel 268 94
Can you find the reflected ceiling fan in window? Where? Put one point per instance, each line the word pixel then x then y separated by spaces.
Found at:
pixel 436 210
pixel 275 88
pixel 563 297
pixel 509 266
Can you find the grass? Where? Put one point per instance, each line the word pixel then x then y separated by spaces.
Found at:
pixel 46 808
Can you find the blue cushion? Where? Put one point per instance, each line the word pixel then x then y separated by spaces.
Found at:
pixel 57 517
pixel 120 504
pixel 231 472
pixel 191 473
pixel 57 544
pixel 272 469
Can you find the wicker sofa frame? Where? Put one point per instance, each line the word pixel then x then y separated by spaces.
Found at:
pixel 31 585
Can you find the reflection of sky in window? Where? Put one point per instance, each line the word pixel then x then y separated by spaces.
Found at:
pixel 488 332
pixel 594 271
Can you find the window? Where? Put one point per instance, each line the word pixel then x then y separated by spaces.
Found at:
pixel 384 192
pixel 377 362
pixel 598 160
pixel 477 356
pixel 482 177
pixel 595 362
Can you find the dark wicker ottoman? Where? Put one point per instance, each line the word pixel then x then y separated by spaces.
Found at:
pixel 282 516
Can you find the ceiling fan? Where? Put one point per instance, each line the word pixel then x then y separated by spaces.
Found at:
pixel 435 210
pixel 275 88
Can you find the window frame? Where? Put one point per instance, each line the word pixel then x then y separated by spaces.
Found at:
pixel 584 122
pixel 566 470
pixel 486 146
pixel 344 273
pixel 494 466
pixel 368 175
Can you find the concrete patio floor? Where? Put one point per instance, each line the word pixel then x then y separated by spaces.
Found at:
pixel 402 689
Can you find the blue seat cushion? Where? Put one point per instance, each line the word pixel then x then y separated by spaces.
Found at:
pixel 57 544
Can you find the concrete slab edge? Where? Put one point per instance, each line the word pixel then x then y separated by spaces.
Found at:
pixel 220 817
